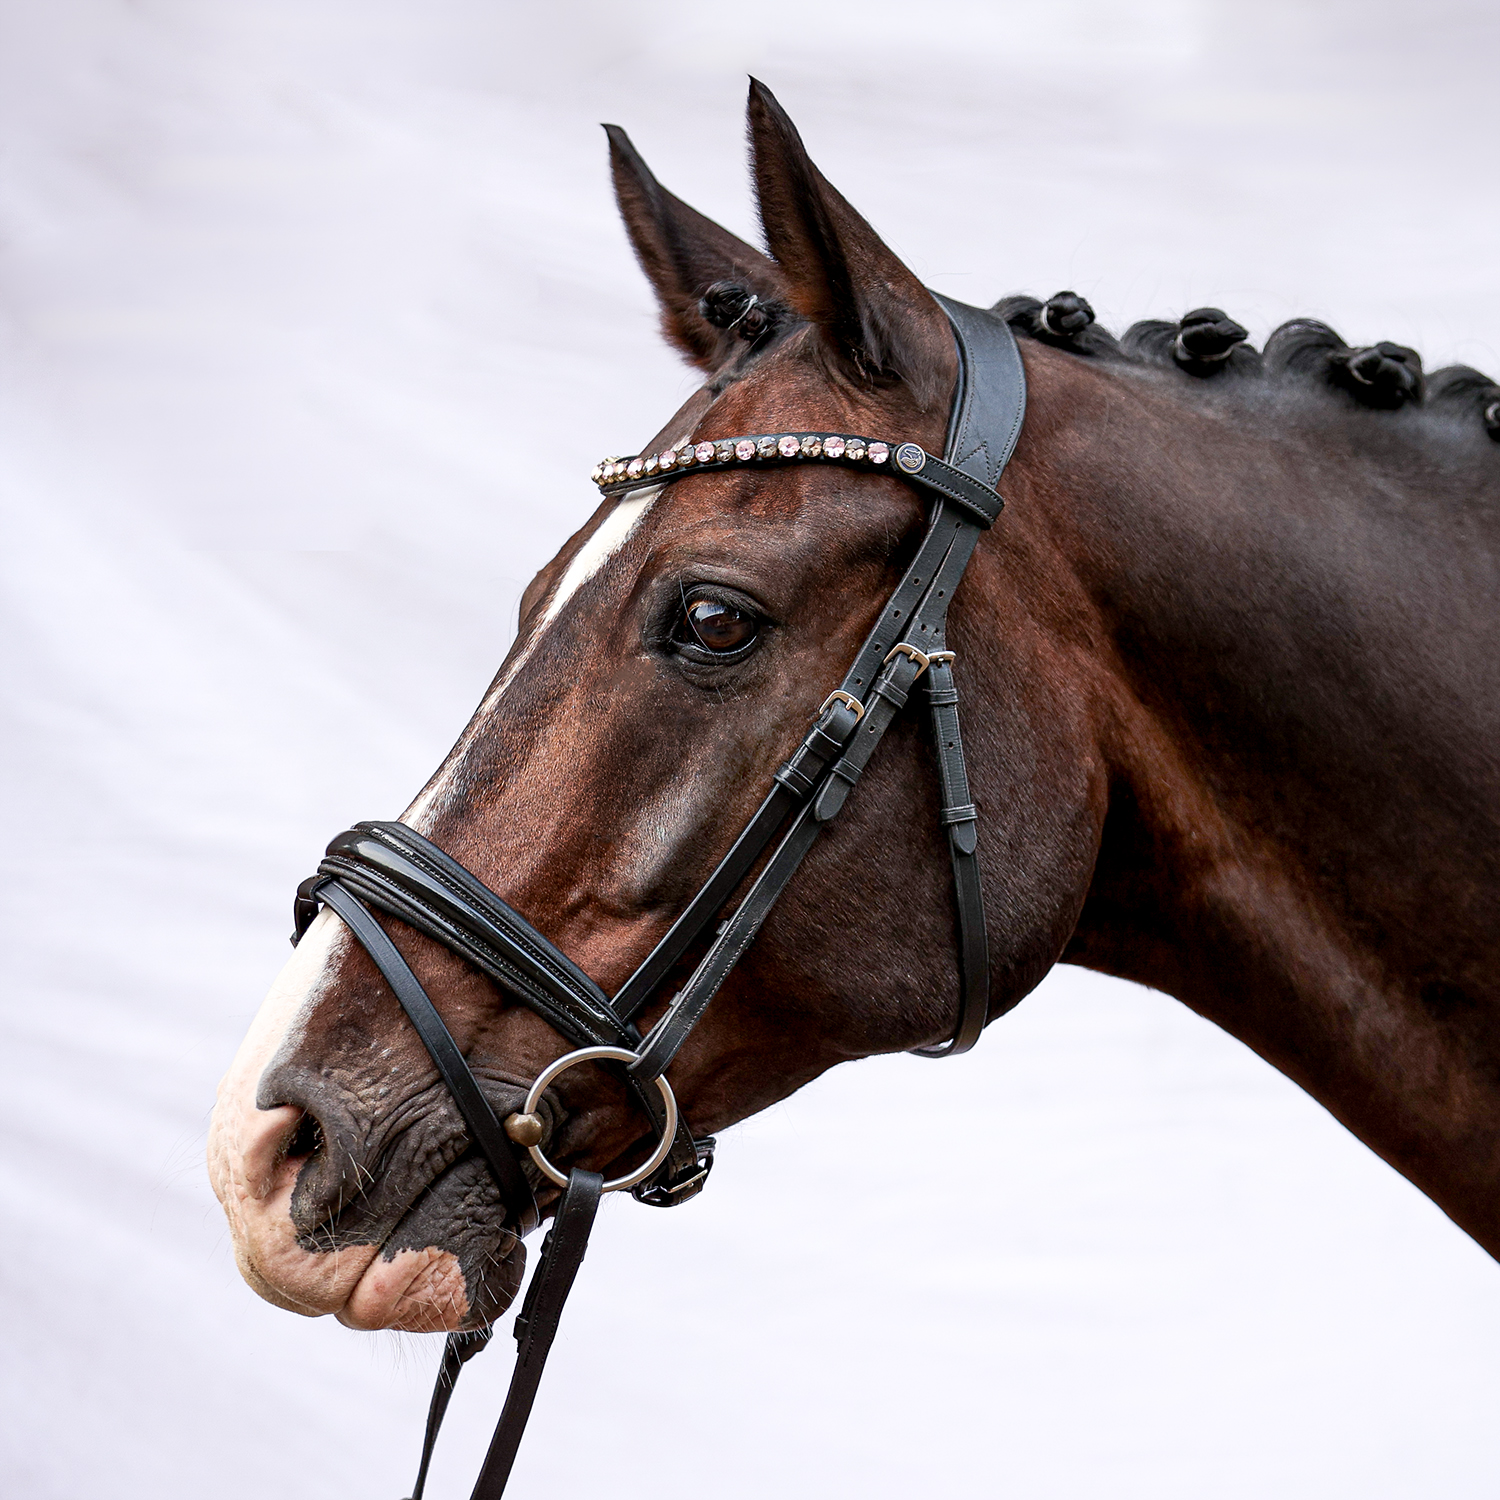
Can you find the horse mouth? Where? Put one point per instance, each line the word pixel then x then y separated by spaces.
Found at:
pixel 435 1221
pixel 415 1242
pixel 446 1264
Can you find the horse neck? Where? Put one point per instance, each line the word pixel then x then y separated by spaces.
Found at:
pixel 1295 691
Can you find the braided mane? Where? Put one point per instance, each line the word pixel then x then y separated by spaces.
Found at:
pixel 1207 343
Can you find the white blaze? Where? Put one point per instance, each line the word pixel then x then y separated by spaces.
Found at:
pixel 612 534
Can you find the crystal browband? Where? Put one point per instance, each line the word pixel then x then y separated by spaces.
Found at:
pixel 910 460
pixel 775 447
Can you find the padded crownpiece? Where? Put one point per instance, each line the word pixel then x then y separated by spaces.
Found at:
pixel 1384 376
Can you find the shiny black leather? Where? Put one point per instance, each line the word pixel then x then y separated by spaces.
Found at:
pixel 484 1128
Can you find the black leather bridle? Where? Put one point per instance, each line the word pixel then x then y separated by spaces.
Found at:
pixel 388 867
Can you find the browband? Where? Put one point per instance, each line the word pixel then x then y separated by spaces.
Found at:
pixel 984 425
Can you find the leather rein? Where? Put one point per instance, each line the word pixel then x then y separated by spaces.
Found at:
pixel 388 867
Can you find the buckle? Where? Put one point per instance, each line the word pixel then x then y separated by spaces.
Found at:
pixel 942 656
pixel 840 696
pixel 905 648
pixel 669 1195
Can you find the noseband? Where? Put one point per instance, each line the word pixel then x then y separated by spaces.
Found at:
pixel 388 867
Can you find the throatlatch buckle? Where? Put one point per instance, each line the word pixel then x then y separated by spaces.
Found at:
pixel 905 648
pixel 840 696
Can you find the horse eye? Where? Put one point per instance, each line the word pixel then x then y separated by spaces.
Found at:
pixel 716 626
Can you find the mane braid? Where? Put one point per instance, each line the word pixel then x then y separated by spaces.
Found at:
pixel 1305 351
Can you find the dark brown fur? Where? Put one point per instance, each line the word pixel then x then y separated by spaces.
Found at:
pixel 1231 663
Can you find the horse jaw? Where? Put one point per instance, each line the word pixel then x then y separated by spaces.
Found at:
pixel 416 1291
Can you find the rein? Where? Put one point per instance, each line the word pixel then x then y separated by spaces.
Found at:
pixel 388 867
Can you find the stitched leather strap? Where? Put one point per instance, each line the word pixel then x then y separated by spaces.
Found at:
pixel 394 868
pixel 953 542
pixel 458 1350
pixel 536 1327
pixel 794 781
pixel 391 867
pixel 961 818
pixel 686 1010
pixel 484 1128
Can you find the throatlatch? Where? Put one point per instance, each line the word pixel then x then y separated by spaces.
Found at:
pixel 388 867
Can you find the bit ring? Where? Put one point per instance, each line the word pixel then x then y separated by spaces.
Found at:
pixel 603 1054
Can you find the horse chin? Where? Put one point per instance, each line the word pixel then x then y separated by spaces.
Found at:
pixel 447 1265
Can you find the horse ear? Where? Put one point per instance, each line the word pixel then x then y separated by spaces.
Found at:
pixel 880 321
pixel 683 255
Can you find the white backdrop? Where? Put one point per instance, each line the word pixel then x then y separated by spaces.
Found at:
pixel 290 288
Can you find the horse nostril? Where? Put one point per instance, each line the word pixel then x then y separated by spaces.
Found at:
pixel 307 1139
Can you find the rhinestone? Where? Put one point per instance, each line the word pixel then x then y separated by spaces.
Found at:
pixel 766 448
pixel 704 453
pixel 650 463
pixel 598 473
pixel 879 452
pixel 854 449
pixel 812 447
pixel 667 459
pixel 789 447
pixel 833 447
pixel 634 468
pixel 685 457
pixel 744 450
pixel 724 452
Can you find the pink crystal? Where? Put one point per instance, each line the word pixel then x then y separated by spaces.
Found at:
pixel 744 450
pixel 704 453
pixel 833 447
pixel 789 447
pixel 879 452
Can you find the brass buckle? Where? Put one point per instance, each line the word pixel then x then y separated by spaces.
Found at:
pixel 839 695
pixel 905 648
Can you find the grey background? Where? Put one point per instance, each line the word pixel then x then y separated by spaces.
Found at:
pixel 314 316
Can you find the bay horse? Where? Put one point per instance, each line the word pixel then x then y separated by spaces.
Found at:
pixel 1231 660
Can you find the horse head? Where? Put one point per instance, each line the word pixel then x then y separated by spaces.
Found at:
pixel 667 661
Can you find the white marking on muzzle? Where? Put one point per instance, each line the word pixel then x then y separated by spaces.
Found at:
pixel 611 534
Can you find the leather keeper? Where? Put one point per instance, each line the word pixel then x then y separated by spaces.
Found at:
pixel 836 790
